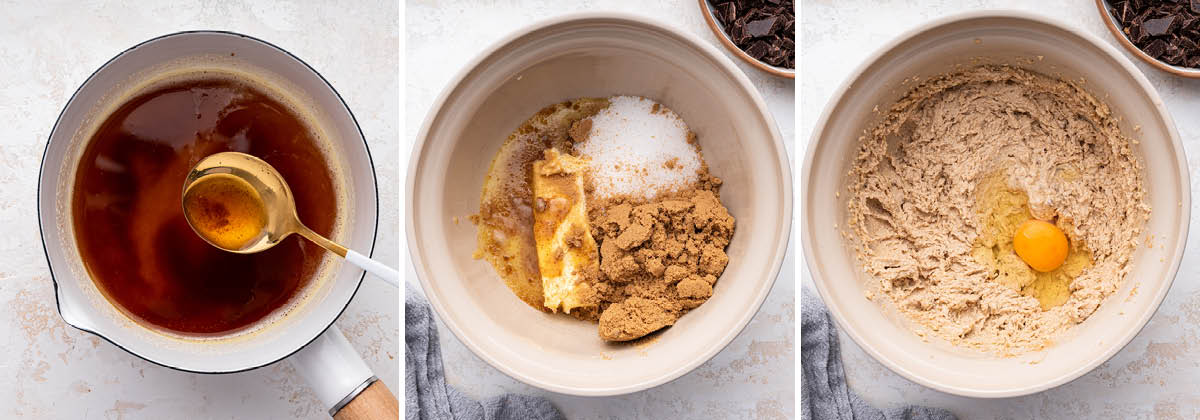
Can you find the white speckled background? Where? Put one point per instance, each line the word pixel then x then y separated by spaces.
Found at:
pixel 51 370
pixel 1158 374
pixel 752 378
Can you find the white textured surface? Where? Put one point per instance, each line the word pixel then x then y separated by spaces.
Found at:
pixel 752 378
pixel 1158 374
pixel 51 370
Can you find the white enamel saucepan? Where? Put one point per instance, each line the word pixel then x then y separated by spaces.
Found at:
pixel 335 371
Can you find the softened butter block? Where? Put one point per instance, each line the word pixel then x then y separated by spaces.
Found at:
pixel 567 253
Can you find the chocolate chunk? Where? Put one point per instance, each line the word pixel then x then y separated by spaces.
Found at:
pixel 1158 27
pixel 1123 15
pixel 1136 34
pixel 787 44
pixel 726 12
pixel 774 55
pixel 758 49
pixel 1187 44
pixel 762 27
pixel 1156 48
pixel 1186 21
pixel 738 35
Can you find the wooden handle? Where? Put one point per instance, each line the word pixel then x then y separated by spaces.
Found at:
pixel 374 403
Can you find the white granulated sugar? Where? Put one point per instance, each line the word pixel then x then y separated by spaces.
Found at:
pixel 636 151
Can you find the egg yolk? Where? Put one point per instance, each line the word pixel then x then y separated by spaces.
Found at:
pixel 1041 245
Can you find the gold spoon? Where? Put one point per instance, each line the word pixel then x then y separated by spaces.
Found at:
pixel 239 203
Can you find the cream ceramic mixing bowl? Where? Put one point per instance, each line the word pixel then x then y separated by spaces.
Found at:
pixel 590 55
pixel 1041 45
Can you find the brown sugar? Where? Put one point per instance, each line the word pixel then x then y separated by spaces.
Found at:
pixel 658 258
pixel 579 130
pixel 633 318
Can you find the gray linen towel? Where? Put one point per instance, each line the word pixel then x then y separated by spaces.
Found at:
pixel 426 394
pixel 823 392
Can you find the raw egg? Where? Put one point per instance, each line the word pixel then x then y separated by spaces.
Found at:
pixel 1041 245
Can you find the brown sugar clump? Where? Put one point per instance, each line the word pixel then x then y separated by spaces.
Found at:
pixel 634 318
pixel 694 287
pixel 580 130
pixel 658 258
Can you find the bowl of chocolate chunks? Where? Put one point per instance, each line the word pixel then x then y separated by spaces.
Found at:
pixel 759 32
pixel 1163 33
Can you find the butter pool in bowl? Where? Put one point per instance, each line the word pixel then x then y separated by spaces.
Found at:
pixel 588 56
pixel 963 42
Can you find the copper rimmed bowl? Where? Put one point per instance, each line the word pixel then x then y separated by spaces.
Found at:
pixel 1114 28
pixel 718 31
